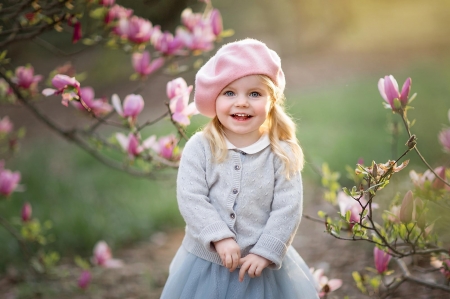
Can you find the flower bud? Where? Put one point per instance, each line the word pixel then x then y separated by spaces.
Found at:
pixel 85 279
pixel 407 207
pixel 8 180
pixel 216 22
pixel 412 141
pixel 26 212
pixel 6 126
pixel 437 183
pixel 444 139
pixel 381 259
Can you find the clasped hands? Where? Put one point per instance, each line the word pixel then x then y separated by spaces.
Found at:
pixel 230 253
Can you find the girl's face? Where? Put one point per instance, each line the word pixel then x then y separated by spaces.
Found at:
pixel 242 108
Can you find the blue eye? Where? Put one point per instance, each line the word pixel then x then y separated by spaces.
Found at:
pixel 229 93
pixel 255 94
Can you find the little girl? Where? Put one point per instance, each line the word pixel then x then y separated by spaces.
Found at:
pixel 239 187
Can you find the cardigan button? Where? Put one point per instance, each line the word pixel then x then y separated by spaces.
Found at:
pixel 232 216
pixel 237 167
pixel 235 191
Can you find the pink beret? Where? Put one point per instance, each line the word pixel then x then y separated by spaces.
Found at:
pixel 233 61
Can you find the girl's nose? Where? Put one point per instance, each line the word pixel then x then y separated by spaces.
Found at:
pixel 241 101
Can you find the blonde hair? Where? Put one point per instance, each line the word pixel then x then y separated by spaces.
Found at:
pixel 278 125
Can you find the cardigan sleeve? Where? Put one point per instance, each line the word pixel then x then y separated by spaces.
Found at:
pixel 202 219
pixel 284 219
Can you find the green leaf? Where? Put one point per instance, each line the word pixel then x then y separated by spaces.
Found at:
pixel 88 41
pixel 347 216
pixel 227 33
pixel 21 132
pixel 37 265
pixel 397 103
pixel 82 263
pixel 134 77
pixel 346 191
pixel 3 54
pixel 359 282
pixel 321 214
pixel 98 13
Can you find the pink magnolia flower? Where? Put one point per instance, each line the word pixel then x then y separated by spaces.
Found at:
pixel 190 19
pixel 444 265
pixel 394 214
pixel 216 22
pixel 201 37
pixel 6 125
pixel 117 12
pixel 69 87
pixel 438 184
pixel 177 88
pixel 323 284
pixel 178 93
pixel 130 144
pixel 142 64
pixel 26 212
pixel 381 259
pixel 25 78
pixel 420 179
pixel 135 29
pixel 132 105
pixel 407 208
pixel 444 139
pixel 5 89
pixel 84 279
pixel 77 34
pixel 88 103
pixel 165 147
pixel 347 203
pixel 107 2
pixel 103 256
pixel 8 180
pixel 167 44
pixel 388 88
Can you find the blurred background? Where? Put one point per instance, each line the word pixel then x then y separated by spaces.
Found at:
pixel 333 54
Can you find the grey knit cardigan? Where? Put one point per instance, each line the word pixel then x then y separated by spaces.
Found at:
pixel 247 198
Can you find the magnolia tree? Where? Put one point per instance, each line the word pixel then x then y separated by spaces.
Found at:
pixel 406 228
pixel 151 50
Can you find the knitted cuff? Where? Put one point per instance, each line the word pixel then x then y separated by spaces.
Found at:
pixel 214 232
pixel 270 248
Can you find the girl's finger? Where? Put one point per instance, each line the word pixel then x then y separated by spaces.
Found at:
pixel 244 268
pixel 251 271
pixel 235 262
pixel 258 271
pixel 228 261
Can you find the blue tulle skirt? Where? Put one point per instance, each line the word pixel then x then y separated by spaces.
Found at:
pixel 191 277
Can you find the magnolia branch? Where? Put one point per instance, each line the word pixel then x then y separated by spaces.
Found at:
pixel 406 276
pixel 405 122
pixel 72 136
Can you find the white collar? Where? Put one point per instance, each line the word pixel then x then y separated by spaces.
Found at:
pixel 258 146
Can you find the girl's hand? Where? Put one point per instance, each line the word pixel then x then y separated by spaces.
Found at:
pixel 253 264
pixel 229 251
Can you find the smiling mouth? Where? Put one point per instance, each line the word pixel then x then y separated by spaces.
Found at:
pixel 241 116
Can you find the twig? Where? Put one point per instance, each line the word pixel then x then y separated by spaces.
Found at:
pixel 19 238
pixel 177 126
pixel 405 122
pixel 406 275
pixel 149 123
